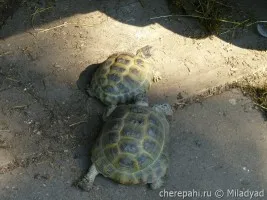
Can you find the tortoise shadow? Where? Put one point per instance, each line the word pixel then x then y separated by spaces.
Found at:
pixel 85 77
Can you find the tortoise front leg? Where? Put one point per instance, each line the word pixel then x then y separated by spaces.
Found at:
pixel 157 184
pixel 88 180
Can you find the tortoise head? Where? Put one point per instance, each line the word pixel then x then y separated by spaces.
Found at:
pixel 163 108
pixel 144 52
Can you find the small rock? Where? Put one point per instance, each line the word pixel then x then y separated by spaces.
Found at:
pixel 245 169
pixel 234 69
pixel 29 121
pixel 232 101
pixel 179 96
pixel 40 177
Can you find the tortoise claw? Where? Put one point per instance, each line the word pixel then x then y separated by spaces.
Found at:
pixel 85 185
pixel 156 77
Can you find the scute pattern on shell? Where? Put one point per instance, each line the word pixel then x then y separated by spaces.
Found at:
pixel 120 78
pixel 131 148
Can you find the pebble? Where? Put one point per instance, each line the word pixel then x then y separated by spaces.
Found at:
pixel 232 101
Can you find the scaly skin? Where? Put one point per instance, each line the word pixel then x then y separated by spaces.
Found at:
pixel 88 180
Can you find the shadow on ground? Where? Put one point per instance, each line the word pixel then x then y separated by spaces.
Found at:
pixel 139 13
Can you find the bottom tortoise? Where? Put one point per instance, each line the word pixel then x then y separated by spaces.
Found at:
pixel 131 148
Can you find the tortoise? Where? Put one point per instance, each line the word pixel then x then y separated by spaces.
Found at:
pixel 123 77
pixel 131 148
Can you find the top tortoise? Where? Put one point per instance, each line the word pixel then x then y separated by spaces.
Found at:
pixel 123 77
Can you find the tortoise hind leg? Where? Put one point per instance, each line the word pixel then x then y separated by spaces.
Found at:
pixel 157 184
pixel 87 182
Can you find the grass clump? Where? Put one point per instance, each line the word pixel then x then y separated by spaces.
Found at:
pixel 216 16
pixel 208 12
pixel 258 93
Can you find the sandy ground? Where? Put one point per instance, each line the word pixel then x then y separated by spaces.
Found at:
pixel 46 132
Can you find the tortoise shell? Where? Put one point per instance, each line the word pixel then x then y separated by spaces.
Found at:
pixel 120 78
pixel 131 148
